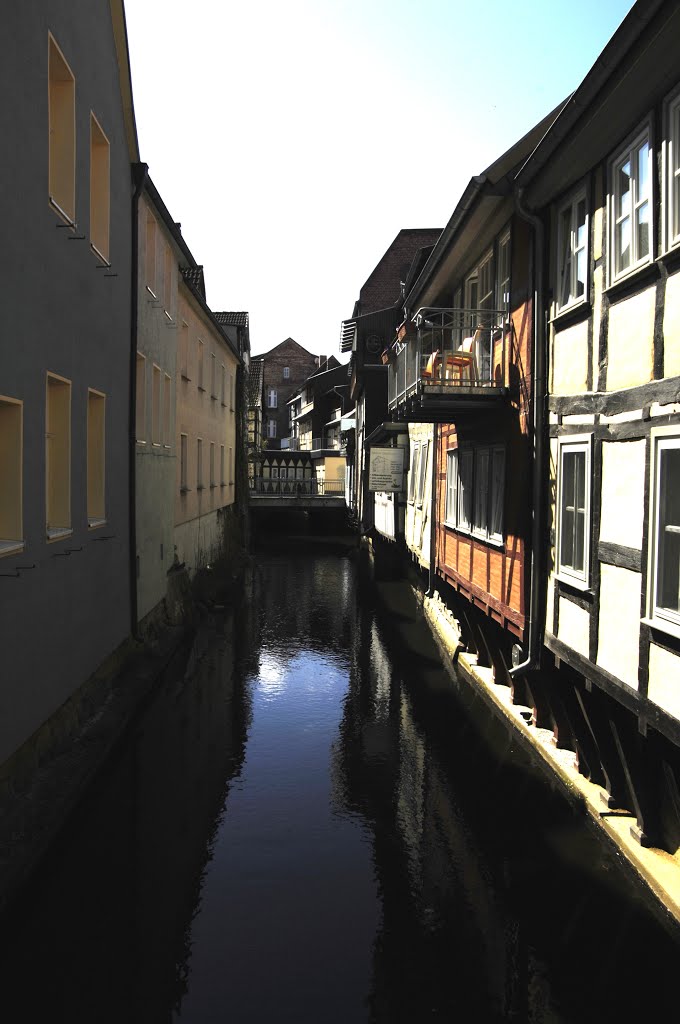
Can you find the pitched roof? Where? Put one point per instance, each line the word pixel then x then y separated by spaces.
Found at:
pixel 194 277
pixel 382 288
pixel 232 319
pixel 287 342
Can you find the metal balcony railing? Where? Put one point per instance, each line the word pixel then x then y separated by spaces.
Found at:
pixel 452 351
pixel 297 488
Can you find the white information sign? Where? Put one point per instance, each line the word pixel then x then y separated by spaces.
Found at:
pixel 386 469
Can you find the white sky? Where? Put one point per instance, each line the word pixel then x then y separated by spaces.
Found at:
pixel 293 140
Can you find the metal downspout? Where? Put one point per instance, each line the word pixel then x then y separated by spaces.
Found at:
pixel 539 395
pixel 433 511
pixel 140 173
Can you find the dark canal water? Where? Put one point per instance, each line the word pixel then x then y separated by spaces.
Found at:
pixel 310 824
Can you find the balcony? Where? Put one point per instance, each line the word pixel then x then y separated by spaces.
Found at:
pixel 331 442
pixel 452 360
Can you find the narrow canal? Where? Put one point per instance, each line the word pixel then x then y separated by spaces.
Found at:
pixel 310 823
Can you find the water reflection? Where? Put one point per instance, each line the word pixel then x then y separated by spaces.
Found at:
pixel 311 823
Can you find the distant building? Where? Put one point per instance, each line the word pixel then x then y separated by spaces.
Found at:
pixel 367 335
pixel 286 367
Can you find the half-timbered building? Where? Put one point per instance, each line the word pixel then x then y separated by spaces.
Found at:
pixel 605 183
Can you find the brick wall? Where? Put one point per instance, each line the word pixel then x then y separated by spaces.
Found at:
pixel 301 364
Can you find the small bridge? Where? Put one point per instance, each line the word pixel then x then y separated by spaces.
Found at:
pixel 298 495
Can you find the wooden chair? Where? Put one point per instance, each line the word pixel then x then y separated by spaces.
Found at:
pixel 463 363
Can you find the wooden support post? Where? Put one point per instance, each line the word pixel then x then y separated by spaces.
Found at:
pixel 603 742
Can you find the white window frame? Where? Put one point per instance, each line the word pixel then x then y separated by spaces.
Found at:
pixel 450 514
pixel 671 165
pixel 286 373
pixel 422 473
pixel 272 399
pixel 271 429
pixel 570 266
pixel 413 472
pixel 627 152
pixel 464 462
pixel 573 444
pixel 668 619
pixel 503 270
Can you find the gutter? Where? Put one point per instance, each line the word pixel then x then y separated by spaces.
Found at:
pixel 532 651
pixel 140 173
pixel 433 514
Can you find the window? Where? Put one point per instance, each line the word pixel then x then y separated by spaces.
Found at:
pixel 271 428
pixel 231 465
pixel 572 251
pixel 673 172
pixel 150 256
pixel 286 372
pixel 62 129
pixel 573 509
pixel 212 464
pixel 167 281
pixel 96 458
pixel 183 449
pixel 272 399
pixel 213 376
pixel 167 410
pixel 100 185
pixel 140 411
pixel 223 385
pixel 631 208
pixel 184 351
pixel 222 478
pixel 475 490
pixel 11 444
pixel 58 456
pixel 413 474
pixel 232 390
pixel 422 467
pixel 156 406
pixel 451 483
pixel 199 464
pixel 665 546
pixel 480 294
pixel 503 276
pixel 200 366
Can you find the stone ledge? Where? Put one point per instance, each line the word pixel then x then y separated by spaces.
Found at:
pixel 656 870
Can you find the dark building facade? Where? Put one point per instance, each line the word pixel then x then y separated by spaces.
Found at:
pixel 286 367
pixel 65 355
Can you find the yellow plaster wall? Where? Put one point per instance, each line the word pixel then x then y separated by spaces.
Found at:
pixel 671 327
pixel 335 467
pixel 570 360
pixel 201 415
pixel 664 679
pixel 619 623
pixel 574 627
pixel 623 488
pixel 598 286
pixel 598 203
pixel 630 359
pixel 550 603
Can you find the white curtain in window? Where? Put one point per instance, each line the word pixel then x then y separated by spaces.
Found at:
pixel 497 494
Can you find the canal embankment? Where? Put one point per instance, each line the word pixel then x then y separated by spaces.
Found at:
pixel 654 869
pixel 46 780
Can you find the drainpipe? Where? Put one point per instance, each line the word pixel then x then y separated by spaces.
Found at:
pixel 433 513
pixel 140 173
pixel 532 651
